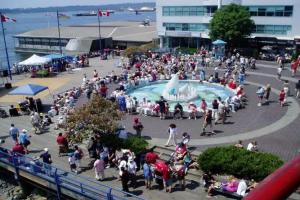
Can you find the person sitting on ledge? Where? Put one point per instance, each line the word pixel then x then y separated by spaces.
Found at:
pixel 13 112
pixel 178 111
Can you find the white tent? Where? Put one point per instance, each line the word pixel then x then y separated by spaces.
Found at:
pixel 35 60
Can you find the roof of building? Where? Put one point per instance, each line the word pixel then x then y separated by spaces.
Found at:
pixel 120 31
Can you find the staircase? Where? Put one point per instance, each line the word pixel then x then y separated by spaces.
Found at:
pixel 165 154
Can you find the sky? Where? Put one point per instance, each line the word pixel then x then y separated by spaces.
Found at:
pixel 49 3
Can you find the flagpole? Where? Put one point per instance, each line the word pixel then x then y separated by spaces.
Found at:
pixel 100 43
pixel 58 28
pixel 5 46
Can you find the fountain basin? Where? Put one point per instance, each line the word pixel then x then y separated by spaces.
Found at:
pixel 208 91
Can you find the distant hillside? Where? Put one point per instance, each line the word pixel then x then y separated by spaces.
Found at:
pixel 117 7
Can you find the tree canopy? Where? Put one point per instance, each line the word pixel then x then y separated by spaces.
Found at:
pixel 98 115
pixel 231 23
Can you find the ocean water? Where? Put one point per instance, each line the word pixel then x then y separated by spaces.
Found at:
pixel 30 21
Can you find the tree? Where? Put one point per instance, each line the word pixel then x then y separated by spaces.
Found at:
pixel 231 23
pixel 97 116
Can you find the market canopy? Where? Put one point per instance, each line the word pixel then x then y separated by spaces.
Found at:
pixel 35 60
pixel 54 57
pixel 219 42
pixel 29 89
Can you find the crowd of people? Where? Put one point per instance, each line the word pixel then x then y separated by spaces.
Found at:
pixel 140 71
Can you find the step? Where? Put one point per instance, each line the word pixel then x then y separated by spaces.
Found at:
pixel 165 154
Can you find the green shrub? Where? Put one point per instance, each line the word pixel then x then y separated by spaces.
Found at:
pixel 112 141
pixel 135 144
pixel 238 162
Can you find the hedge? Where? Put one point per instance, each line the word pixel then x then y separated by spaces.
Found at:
pixel 238 162
pixel 135 144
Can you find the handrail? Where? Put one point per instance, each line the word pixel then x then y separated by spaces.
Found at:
pixel 63 179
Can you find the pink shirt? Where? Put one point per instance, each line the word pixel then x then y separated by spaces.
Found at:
pixel 99 165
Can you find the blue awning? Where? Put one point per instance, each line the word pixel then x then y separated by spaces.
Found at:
pixel 54 56
pixel 29 90
pixel 59 56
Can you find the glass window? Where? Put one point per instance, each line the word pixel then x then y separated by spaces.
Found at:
pixel 185 27
pixel 193 11
pixel 172 11
pixel 270 11
pixel 185 11
pixel 272 29
pixel 288 11
pixel 178 11
pixel 166 11
pixel 261 12
pixel 278 11
pixel 188 10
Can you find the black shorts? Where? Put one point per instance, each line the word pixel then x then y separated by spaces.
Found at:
pixel 73 166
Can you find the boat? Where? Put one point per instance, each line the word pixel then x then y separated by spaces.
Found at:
pixel 93 13
pixel 141 10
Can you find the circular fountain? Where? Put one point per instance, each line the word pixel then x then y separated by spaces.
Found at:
pixel 182 91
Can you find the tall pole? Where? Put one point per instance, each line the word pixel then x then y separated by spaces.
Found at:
pixel 58 28
pixel 99 27
pixel 5 46
pixel 219 4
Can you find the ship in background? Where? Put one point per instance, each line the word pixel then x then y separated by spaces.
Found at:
pixel 141 10
pixel 92 13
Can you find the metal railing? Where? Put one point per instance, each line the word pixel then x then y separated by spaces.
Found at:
pixel 80 185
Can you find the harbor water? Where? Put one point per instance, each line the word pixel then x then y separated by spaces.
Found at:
pixel 30 21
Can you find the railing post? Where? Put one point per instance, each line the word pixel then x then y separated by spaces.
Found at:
pixel 16 174
pixel 108 194
pixel 81 188
pixel 58 192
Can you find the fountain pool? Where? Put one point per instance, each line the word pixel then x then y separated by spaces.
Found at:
pixel 183 92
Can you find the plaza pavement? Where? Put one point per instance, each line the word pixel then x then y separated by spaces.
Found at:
pixel 276 129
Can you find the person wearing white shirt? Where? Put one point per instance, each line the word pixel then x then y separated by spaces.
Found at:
pixel 123 164
pixel 172 134
pixel 131 165
pixel 252 146
pixel 242 188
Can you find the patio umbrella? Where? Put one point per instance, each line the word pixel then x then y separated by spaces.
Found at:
pixel 219 42
pixel 29 90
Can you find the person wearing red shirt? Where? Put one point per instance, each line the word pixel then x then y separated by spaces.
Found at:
pixel 62 144
pixel 103 90
pixel 166 175
pixel 232 85
pixel 18 148
pixel 151 157
pixel 281 97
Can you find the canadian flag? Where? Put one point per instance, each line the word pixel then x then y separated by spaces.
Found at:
pixel 7 19
pixel 103 13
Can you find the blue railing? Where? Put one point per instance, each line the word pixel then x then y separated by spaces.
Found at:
pixel 62 179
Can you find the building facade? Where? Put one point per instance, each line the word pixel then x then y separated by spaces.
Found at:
pixel 185 23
